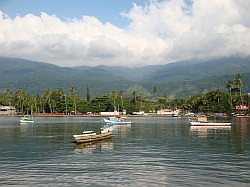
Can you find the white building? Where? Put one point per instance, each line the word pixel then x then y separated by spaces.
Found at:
pixel 168 112
pixel 7 110
pixel 110 113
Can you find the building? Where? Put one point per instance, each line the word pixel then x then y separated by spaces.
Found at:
pixel 7 110
pixel 169 112
pixel 115 113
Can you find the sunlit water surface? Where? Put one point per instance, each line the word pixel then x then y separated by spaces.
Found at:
pixel 152 151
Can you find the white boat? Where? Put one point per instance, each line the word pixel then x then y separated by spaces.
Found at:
pixel 86 136
pixel 27 119
pixel 202 121
pixel 91 136
pixel 198 123
pixel 116 120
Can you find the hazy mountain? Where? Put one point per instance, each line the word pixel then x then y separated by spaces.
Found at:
pixel 180 78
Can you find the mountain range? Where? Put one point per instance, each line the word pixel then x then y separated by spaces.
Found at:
pixel 178 79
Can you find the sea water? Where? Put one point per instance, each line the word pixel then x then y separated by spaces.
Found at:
pixel 152 151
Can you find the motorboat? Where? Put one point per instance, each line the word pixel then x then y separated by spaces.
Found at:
pixel 202 121
pixel 198 123
pixel 27 119
pixel 116 120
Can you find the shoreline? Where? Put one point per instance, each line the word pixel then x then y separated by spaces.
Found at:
pixel 98 115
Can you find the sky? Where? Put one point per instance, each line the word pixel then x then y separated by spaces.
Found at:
pixel 124 32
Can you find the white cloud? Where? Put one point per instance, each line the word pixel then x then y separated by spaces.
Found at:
pixel 159 33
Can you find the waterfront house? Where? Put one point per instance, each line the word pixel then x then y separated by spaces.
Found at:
pixel 7 110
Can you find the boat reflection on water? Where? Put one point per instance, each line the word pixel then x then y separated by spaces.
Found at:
pixel 89 148
pixel 210 131
pixel 122 130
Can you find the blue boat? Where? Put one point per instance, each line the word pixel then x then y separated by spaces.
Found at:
pixel 116 120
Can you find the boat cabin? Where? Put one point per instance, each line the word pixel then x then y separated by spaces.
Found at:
pixel 202 118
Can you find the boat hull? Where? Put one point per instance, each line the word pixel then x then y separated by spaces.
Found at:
pixel 106 132
pixel 25 121
pixel 92 138
pixel 111 122
pixel 104 136
pixel 197 123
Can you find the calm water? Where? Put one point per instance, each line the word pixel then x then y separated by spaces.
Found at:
pixel 153 151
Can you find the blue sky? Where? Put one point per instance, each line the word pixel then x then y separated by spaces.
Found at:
pixel 123 32
pixel 104 10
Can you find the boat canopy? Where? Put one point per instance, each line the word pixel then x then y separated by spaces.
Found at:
pixel 202 118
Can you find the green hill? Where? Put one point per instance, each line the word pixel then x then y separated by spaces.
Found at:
pixel 179 79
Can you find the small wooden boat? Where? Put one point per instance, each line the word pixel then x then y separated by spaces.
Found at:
pixel 116 120
pixel 202 121
pixel 27 119
pixel 90 136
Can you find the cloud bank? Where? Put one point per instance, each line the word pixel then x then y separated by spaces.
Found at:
pixel 159 32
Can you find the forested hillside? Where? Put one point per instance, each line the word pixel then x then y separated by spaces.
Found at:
pixel 180 79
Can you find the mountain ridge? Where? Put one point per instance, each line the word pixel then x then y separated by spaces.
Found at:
pixel 174 79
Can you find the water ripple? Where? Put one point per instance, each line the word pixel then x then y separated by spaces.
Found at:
pixel 165 153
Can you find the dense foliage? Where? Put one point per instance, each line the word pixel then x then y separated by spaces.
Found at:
pixel 178 80
pixel 57 101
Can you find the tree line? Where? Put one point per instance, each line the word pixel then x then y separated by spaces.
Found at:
pixel 60 101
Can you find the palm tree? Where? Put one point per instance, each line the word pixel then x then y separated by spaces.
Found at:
pixel 229 86
pixel 121 96
pixel 34 98
pixel 133 100
pixel 72 91
pixel 42 103
pixel 141 105
pixel 60 94
pixel 65 100
pixel 204 102
pixel 47 95
pixel 113 95
pixel 154 91
pixel 216 96
pixel 8 96
pixel 238 82
pixel 31 101
pixel 62 97
pixel 20 95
